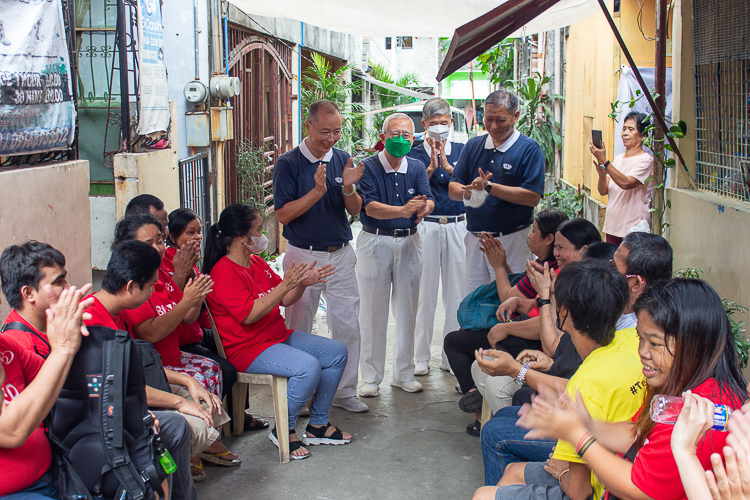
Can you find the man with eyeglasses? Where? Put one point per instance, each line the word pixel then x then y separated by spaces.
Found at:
pixel 500 178
pixel 314 188
pixel 395 198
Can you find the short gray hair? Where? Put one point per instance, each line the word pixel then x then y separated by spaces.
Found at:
pixel 396 116
pixel 435 107
pixel 504 98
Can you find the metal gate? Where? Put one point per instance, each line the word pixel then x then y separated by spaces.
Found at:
pixel 195 187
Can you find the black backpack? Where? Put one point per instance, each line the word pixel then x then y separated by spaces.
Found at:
pixel 100 427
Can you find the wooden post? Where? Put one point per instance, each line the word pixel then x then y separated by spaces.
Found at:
pixel 660 62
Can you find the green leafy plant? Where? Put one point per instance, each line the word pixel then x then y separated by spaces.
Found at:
pixel 498 62
pixel 387 97
pixel 741 342
pixel 537 118
pixel 321 82
pixel 569 201
pixel 253 177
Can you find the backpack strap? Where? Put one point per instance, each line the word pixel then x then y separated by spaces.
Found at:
pixel 17 325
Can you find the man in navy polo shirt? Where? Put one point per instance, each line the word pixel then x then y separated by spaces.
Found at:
pixel 314 188
pixel 396 196
pixel 442 234
pixel 506 168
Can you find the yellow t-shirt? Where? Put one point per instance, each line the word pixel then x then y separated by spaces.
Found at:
pixel 611 382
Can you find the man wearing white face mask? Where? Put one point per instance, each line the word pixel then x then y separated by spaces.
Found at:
pixel 500 178
pixel 442 234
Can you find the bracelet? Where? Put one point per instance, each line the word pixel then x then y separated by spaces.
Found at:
pixel 559 479
pixel 585 436
pixel 586 446
pixel 354 191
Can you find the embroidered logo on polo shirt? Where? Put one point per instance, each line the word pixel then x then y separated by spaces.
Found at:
pixel 411 190
pixel 339 180
pixel 507 166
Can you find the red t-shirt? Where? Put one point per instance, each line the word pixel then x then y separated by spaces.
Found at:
pixel 38 345
pixel 186 335
pixel 166 295
pixel 235 290
pixel 526 288
pixel 23 466
pixel 655 472
pixel 102 317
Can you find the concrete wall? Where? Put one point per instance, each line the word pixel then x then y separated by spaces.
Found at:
pixel 422 58
pixel 51 204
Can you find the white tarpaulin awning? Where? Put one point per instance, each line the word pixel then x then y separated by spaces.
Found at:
pixel 394 17
pixel 395 88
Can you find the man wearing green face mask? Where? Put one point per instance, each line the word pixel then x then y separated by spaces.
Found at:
pixel 396 196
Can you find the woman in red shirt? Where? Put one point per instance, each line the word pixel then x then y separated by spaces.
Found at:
pixel 245 306
pixel 686 343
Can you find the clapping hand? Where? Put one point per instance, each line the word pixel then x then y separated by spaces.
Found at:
pixel 480 183
pixel 65 318
pixel 352 174
pixel 551 415
pixel 295 274
pixel 424 210
pixel 493 249
pixel 320 179
pixel 541 281
pixel 186 257
pixel 198 289
pixel 414 205
pixel 318 275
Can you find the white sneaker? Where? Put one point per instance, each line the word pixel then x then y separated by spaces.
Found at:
pixel 446 368
pixel 351 404
pixel 410 386
pixel 421 368
pixel 368 390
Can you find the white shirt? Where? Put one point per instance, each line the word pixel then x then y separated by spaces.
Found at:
pixel 387 166
pixel 311 157
pixel 489 143
pixel 626 321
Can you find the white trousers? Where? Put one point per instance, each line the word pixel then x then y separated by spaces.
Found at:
pixel 342 306
pixel 443 259
pixel 388 270
pixel 478 269
pixel 497 391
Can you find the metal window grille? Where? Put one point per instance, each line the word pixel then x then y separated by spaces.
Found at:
pixel 721 35
pixel 195 187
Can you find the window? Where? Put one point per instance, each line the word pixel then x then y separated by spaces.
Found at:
pixel 387 43
pixel 405 42
pixel 722 98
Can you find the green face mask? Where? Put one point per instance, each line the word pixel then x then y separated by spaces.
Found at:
pixel 397 146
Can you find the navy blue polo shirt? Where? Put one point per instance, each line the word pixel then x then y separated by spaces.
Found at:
pixel 440 180
pixel 522 165
pixel 326 223
pixel 392 188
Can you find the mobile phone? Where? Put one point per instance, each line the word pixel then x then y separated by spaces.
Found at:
pixel 596 138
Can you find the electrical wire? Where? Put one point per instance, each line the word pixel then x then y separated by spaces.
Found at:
pixel 639 21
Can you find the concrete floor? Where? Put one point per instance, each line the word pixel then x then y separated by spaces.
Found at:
pixel 408 446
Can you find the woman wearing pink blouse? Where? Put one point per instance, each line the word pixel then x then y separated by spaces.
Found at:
pixel 626 180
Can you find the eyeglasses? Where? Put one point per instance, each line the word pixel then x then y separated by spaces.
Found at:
pixel 336 134
pixel 612 263
pixel 395 133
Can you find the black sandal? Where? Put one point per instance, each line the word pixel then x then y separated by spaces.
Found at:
pixel 254 423
pixel 474 429
pixel 471 402
pixel 293 445
pixel 317 435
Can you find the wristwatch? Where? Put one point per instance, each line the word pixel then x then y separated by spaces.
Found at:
pixel 604 167
pixel 343 190
pixel 521 377
pixel 542 302
pixel 488 187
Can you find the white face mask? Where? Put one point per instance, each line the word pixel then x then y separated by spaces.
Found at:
pixel 477 199
pixel 259 243
pixel 441 132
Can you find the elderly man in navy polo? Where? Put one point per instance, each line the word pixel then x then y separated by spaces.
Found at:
pixel 314 188
pixel 442 234
pixel 500 178
pixel 396 196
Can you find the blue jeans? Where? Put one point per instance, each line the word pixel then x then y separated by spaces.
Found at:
pixel 503 444
pixel 41 490
pixel 313 365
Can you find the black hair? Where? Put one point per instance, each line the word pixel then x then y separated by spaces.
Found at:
pixel 642 121
pixel 548 221
pixel 600 251
pixel 580 232
pixel 130 261
pixel 21 265
pixel 178 222
pixel 649 256
pixel 595 295
pixel 691 313
pixel 142 203
pixel 327 107
pixel 128 227
pixel 235 221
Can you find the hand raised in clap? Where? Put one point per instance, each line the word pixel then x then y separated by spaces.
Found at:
pixel 352 174
pixel 480 183
pixel 295 274
pixel 65 319
pixel 318 275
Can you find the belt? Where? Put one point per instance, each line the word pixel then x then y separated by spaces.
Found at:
pixel 496 234
pixel 445 219
pixel 311 248
pixel 396 233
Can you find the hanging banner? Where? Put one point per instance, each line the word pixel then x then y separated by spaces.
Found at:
pixel 37 111
pixel 153 115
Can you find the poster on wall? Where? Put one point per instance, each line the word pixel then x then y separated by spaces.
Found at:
pixel 37 112
pixel 154 101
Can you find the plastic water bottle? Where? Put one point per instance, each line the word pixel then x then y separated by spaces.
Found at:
pixel 165 459
pixel 666 410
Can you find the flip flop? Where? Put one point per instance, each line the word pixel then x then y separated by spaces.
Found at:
pixel 197 473
pixel 217 458
pixel 254 423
